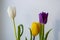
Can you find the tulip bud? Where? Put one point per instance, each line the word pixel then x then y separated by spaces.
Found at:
pixel 11 12
pixel 43 17
pixel 35 28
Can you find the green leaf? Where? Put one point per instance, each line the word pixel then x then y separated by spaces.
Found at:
pixel 19 31
pixel 30 34
pixel 22 30
pixel 47 34
pixel 25 38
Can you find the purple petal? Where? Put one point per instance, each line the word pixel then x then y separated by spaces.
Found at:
pixel 40 18
pixel 43 17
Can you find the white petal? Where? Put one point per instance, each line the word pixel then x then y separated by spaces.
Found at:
pixel 11 12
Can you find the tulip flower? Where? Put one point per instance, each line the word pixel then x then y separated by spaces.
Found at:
pixel 43 20
pixel 35 28
pixel 43 17
pixel 11 12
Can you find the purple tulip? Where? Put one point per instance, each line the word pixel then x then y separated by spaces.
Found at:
pixel 43 17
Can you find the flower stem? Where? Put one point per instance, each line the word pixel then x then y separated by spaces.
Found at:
pixel 14 28
pixel 18 32
pixel 33 37
pixel 41 33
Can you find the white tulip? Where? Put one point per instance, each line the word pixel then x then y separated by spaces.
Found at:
pixel 11 12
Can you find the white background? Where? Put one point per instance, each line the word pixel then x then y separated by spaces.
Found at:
pixel 26 12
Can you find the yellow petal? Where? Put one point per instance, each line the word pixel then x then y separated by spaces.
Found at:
pixel 35 28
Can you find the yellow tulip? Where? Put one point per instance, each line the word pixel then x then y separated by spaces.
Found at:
pixel 35 28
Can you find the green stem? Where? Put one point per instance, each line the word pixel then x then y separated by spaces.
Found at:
pixel 18 32
pixel 33 37
pixel 41 33
pixel 14 28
